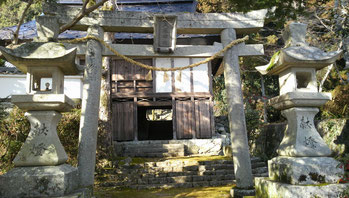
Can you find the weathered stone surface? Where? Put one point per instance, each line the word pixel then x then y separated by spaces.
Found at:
pixel 42 146
pixel 294 34
pixel 181 50
pixel 47 28
pixel 191 147
pixel 37 54
pixel 90 109
pixel 187 23
pixel 267 188
pixel 236 114
pixel 304 170
pixel 42 181
pixel 43 102
pixel 335 134
pixel 240 193
pixel 299 54
pixel 299 99
pixel 301 137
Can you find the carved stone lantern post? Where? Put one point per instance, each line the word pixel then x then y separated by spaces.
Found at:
pixel 303 155
pixel 40 168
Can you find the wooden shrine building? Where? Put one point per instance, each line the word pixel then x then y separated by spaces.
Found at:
pixel 186 97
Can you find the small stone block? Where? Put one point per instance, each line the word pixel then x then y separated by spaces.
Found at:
pixel 304 170
pixel 240 193
pixel 44 181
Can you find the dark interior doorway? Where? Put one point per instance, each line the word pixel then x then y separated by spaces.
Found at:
pixel 155 123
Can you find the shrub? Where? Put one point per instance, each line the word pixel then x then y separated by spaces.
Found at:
pixel 338 107
pixel 68 132
pixel 15 128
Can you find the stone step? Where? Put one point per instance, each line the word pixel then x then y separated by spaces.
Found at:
pixel 179 173
pixel 260 170
pixel 152 150
pixel 258 164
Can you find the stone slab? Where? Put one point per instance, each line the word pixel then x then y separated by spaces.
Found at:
pixel 181 50
pixel 240 193
pixel 143 22
pixel 299 99
pixel 266 188
pixel 304 170
pixel 42 54
pixel 202 147
pixel 43 102
pixel 43 181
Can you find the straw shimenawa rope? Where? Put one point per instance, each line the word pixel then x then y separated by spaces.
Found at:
pixel 149 67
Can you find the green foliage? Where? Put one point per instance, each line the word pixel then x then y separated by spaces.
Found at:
pixel 220 96
pixel 11 10
pixel 68 132
pixel 2 62
pixel 14 130
pixel 338 107
pixel 279 11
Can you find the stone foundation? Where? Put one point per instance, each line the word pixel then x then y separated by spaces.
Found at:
pixel 200 147
pixel 42 181
pixel 176 173
pixel 267 188
pixel 304 170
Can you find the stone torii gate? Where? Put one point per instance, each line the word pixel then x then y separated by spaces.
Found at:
pixel 228 25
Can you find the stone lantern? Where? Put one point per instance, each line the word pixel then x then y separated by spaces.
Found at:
pixel 42 157
pixel 303 155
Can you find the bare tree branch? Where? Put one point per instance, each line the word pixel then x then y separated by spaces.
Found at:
pixel 326 26
pixel 16 34
pixel 84 11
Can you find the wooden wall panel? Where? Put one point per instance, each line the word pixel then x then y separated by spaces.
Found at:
pixel 185 122
pixel 123 121
pixel 203 119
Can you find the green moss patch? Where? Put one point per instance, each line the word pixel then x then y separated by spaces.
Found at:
pixel 139 160
pixel 212 192
pixel 273 60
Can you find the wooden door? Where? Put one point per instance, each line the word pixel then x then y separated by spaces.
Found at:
pixel 123 121
pixel 185 122
pixel 203 127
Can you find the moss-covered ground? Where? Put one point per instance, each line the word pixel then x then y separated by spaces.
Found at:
pixel 209 192
pixel 138 160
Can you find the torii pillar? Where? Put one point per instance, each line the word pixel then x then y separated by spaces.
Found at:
pixel 90 109
pixel 237 122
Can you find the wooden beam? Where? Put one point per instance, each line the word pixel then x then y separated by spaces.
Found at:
pixel 189 51
pixel 143 22
pixel 162 95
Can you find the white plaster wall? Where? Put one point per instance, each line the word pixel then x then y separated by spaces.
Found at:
pixel 161 85
pixel 15 84
pixel 200 77
pixel 182 84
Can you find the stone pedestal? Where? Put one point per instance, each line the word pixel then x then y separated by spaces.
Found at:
pixel 42 146
pixel 41 181
pixel 265 187
pixel 304 170
pixel 301 137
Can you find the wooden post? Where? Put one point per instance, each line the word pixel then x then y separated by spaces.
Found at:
pixel 236 114
pixel 90 109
